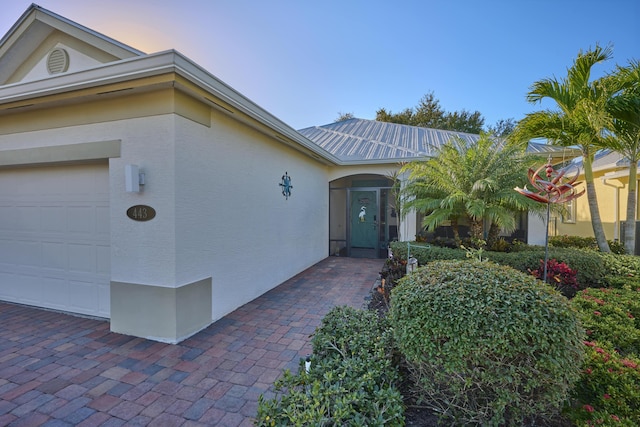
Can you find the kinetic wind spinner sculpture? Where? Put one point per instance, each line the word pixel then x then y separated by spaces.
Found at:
pixel 549 186
pixel 551 189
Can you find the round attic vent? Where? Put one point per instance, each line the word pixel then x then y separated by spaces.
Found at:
pixel 58 61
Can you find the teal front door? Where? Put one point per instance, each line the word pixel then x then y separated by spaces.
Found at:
pixel 364 219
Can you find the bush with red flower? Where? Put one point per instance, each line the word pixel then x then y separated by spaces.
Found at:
pixel 611 316
pixel 608 392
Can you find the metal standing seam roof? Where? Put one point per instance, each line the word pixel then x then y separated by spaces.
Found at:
pixel 360 140
pixel 368 140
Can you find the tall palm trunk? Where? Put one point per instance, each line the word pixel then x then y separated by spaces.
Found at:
pixel 596 222
pixel 456 231
pixel 630 222
pixel 493 235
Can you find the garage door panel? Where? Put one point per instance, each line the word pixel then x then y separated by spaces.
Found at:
pixel 54 256
pixel 81 219
pixel 27 253
pixel 54 219
pixel 103 216
pixel 83 296
pixel 55 238
pixel 57 291
pixel 82 258
pixel 28 219
pixel 9 217
pixel 30 288
pixel 103 260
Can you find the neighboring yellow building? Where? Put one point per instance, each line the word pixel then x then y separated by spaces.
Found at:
pixel 611 178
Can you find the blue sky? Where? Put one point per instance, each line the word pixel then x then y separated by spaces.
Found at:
pixel 305 61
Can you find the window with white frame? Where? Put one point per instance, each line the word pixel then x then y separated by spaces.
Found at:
pixel 569 213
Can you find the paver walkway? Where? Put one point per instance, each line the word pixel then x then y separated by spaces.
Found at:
pixel 62 370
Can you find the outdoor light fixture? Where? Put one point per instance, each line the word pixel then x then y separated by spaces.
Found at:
pixel 133 178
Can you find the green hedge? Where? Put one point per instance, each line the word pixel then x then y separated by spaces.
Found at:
pixel 593 268
pixel 486 344
pixel 351 380
pixel 578 242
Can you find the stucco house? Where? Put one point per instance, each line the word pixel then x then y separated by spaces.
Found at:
pixel 142 189
pixel 611 181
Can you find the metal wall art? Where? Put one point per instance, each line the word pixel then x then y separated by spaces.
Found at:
pixel 286 185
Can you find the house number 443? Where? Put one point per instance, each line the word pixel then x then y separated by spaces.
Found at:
pixel 141 213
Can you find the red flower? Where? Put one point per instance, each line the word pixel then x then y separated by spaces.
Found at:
pixel 589 343
pixel 597 313
pixel 606 396
pixel 630 316
pixel 588 408
pixel 615 418
pixel 588 371
pixel 629 364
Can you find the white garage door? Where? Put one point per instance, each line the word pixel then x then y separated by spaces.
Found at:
pixel 54 237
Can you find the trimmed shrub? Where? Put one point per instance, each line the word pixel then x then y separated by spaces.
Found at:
pixel 608 392
pixel 486 344
pixel 351 380
pixel 425 253
pixel 578 242
pixel 611 316
pixel 621 270
pixel 587 264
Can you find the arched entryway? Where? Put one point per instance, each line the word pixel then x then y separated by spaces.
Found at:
pixel 363 218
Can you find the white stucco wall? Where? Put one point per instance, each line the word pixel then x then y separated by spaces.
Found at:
pixel 220 210
pixel 141 252
pixel 233 223
pixel 144 252
pixel 536 230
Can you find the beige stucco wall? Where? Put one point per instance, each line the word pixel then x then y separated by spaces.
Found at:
pixel 232 221
pixel 612 202
pixel 221 220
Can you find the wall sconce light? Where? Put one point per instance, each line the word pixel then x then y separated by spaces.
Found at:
pixel 133 178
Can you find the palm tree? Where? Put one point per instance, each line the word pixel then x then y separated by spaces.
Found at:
pixel 625 110
pixel 468 181
pixel 581 120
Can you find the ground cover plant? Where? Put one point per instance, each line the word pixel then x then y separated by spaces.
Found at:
pixel 351 381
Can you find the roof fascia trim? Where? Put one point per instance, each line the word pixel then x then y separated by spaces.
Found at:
pixel 32 13
pixel 159 63
pixel 226 93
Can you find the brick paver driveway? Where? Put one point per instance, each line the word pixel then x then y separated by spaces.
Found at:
pixel 62 370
